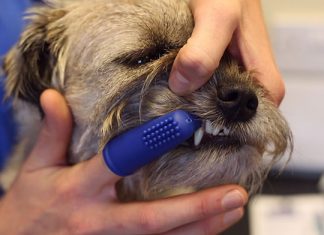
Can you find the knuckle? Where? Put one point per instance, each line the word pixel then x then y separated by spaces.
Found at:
pixel 196 61
pixel 149 220
pixel 188 59
pixel 203 209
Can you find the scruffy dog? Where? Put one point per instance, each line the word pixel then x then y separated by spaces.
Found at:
pixel 111 60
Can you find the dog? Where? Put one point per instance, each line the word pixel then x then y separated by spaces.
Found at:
pixel 111 60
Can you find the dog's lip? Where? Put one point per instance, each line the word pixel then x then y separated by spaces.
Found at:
pixel 212 135
pixel 213 142
pixel 208 129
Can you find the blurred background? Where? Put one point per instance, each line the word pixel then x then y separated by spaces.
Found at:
pixel 11 24
pixel 297 33
pixel 296 29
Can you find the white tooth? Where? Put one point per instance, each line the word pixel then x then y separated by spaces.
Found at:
pixel 209 127
pixel 226 131
pixel 198 136
pixel 221 133
pixel 216 130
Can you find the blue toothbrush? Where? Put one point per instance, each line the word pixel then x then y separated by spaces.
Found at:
pixel 137 147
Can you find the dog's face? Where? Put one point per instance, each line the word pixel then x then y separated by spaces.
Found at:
pixel 111 59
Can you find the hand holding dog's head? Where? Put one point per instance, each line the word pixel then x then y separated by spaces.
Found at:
pixel 111 60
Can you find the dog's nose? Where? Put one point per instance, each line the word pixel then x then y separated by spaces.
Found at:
pixel 237 104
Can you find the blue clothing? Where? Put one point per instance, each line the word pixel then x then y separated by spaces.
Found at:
pixel 11 24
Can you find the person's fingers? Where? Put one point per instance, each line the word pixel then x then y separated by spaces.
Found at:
pixel 266 71
pixel 95 173
pixel 213 225
pixel 198 59
pixel 55 134
pixel 251 42
pixel 167 214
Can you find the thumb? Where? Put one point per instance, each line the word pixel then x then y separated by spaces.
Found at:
pixel 54 137
pixel 215 23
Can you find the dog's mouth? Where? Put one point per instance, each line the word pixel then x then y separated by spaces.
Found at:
pixel 219 136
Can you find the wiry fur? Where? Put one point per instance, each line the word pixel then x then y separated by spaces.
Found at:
pixel 90 52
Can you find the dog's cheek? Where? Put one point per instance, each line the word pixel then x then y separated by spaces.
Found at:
pixel 159 101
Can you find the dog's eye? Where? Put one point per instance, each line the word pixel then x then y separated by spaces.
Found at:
pixel 146 59
pixel 141 57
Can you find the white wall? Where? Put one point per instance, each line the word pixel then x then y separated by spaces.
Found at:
pixel 296 29
pixel 293 6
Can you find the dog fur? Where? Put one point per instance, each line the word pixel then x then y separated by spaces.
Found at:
pixel 111 60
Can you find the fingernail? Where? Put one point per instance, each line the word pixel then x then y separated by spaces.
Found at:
pixel 232 216
pixel 181 83
pixel 232 200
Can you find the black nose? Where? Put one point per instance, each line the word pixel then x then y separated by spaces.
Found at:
pixel 237 104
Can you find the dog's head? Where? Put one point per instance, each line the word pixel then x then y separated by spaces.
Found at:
pixel 111 59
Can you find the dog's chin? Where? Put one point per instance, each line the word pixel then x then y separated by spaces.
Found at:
pixel 192 168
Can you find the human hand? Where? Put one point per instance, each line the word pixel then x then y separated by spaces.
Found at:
pixel 50 197
pixel 236 25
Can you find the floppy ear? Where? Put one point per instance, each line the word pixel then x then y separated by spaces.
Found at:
pixel 29 65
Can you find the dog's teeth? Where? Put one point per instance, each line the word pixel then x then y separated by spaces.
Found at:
pixel 216 130
pixel 226 131
pixel 221 133
pixel 209 127
pixel 198 136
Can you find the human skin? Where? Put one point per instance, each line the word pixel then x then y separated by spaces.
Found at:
pixel 51 197
pixel 235 25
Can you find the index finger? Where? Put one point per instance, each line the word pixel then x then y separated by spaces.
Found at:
pixel 215 23
pixel 95 173
pixel 170 213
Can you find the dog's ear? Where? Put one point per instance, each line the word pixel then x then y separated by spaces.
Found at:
pixel 29 65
